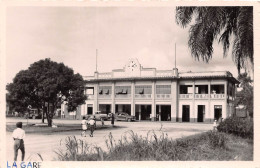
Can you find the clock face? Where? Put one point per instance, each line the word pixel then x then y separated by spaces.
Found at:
pixel 133 68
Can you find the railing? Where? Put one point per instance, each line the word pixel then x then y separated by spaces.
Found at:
pixel 201 96
pixel 126 96
pixel 217 96
pixel 143 96
pixel 104 96
pixel 185 96
pixel 163 96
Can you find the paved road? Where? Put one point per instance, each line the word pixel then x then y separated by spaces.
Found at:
pixel 46 144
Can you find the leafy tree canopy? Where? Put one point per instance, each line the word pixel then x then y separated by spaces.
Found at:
pixel 245 96
pixel 224 24
pixel 46 81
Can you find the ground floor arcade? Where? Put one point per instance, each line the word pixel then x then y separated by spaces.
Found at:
pixel 184 112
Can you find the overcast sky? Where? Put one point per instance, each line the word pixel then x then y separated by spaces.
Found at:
pixel 72 34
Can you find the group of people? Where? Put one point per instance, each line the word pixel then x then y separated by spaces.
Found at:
pixel 19 134
pixel 85 123
pixel 91 124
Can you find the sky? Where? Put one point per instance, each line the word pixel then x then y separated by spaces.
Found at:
pixel 72 34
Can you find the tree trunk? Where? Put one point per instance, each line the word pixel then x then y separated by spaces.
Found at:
pixel 49 116
pixel 43 112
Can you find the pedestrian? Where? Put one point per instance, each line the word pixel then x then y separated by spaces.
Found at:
pixel 169 117
pixel 112 120
pixel 215 125
pixel 91 126
pixel 102 122
pixel 84 126
pixel 18 136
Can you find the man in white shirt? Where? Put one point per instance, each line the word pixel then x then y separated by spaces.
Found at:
pixel 92 123
pixel 18 136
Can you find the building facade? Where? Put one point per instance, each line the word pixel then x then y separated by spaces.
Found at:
pixel 161 95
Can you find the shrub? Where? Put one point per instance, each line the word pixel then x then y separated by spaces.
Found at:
pixel 242 127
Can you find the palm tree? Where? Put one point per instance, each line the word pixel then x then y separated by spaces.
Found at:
pixel 224 24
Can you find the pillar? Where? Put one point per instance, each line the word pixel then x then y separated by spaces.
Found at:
pixel 132 98
pixel 174 103
pixel 95 107
pixel 113 108
pixel 153 102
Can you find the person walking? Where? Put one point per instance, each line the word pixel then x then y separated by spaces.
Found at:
pixel 112 120
pixel 18 136
pixel 84 126
pixel 102 122
pixel 91 126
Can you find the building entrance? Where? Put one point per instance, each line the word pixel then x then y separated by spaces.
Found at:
pixel 185 113
pixel 163 112
pixel 105 108
pixel 201 113
pixel 123 108
pixel 90 109
pixel 143 112
pixel 217 112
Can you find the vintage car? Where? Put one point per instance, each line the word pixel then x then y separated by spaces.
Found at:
pixel 123 116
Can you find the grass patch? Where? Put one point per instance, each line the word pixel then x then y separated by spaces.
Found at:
pixel 205 146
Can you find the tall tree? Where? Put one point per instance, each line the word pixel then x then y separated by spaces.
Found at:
pixel 223 24
pixel 245 96
pixel 43 83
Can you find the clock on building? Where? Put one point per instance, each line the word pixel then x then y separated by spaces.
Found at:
pixel 133 68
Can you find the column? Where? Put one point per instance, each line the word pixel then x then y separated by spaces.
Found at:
pixel 174 103
pixel 139 110
pixel 193 117
pixel 224 109
pixel 160 112
pixel 132 98
pixel 113 110
pixel 153 102
pixel 208 112
pixel 95 108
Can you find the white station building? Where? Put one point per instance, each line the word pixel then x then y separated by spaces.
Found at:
pixel 161 95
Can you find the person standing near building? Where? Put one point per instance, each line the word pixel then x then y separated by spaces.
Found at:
pixel 84 126
pixel 112 120
pixel 215 125
pixel 92 126
pixel 18 136
pixel 102 122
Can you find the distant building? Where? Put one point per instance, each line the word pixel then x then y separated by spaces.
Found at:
pixel 161 95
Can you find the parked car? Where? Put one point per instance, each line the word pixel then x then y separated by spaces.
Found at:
pixel 99 114
pixel 123 116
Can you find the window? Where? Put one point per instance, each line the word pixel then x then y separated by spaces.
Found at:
pixel 163 89
pixel 105 90
pixel 123 89
pixel 186 89
pixel 217 89
pixel 143 89
pixel 201 89
pixel 90 91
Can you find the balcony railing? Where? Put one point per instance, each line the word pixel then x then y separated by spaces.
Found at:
pixel 201 96
pixel 217 96
pixel 163 96
pixel 185 96
pixel 124 96
pixel 102 96
pixel 143 96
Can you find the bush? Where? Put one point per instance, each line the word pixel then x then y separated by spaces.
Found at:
pixel 242 127
pixel 153 146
